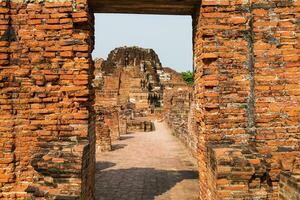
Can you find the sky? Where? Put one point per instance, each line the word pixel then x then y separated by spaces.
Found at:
pixel 169 36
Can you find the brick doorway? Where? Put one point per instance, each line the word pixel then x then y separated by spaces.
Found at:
pixel 107 141
pixel 247 95
pixel 131 105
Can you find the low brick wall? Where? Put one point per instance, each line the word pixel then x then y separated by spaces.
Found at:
pixel 177 113
pixel 236 173
pixel 137 125
pixel 111 122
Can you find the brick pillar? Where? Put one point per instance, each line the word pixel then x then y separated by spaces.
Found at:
pixel 47 127
pixel 223 82
pixel 7 110
pixel 247 96
pixel 276 47
pixel 103 130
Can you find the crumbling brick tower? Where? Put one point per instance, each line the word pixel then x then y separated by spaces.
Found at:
pixel 247 95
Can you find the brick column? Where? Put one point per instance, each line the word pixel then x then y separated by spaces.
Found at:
pixel 103 131
pixel 223 82
pixel 46 100
pixel 8 87
pixel 276 36
pixel 246 58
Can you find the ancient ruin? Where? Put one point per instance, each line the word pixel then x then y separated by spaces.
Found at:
pixel 245 106
pixel 130 89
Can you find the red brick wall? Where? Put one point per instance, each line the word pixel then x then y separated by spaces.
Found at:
pixel 276 47
pixel 178 113
pixel 46 125
pixel 247 92
pixel 112 120
pixel 103 131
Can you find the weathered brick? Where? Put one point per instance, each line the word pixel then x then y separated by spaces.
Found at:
pixel 246 96
pixel 37 105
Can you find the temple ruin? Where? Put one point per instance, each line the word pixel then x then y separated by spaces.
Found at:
pixel 132 89
pixel 245 109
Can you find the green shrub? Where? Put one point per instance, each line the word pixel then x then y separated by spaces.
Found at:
pixel 188 77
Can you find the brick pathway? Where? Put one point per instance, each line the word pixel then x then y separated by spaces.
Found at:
pixel 145 166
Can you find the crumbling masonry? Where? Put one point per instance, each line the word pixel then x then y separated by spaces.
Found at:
pixel 132 89
pixel 247 96
pixel 127 90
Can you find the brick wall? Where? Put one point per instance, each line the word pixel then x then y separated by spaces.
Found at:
pixel 139 125
pixel 103 132
pixel 277 76
pixel 178 113
pixel 247 95
pixel 46 124
pixel 112 120
pixel 289 186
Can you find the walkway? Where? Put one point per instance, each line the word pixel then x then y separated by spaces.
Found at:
pixel 147 166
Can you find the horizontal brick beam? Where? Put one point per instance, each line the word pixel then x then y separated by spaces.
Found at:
pixel 167 7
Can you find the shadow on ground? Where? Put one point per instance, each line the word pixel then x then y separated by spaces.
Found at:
pixel 118 146
pixel 104 165
pixel 123 137
pixel 136 183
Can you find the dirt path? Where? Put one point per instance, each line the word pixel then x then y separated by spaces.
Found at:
pixel 145 166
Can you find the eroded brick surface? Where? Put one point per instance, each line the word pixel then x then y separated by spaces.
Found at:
pixel 178 113
pixel 130 87
pixel 103 136
pixel 247 58
pixel 46 125
pixel 289 186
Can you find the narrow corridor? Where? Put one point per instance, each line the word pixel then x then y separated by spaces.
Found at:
pixel 146 166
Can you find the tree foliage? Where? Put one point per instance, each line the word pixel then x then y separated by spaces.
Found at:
pixel 188 77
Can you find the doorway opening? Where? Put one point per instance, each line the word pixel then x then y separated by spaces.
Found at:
pixel 143 98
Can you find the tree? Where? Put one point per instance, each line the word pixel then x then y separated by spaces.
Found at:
pixel 188 77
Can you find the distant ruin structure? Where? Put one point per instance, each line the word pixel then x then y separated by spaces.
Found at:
pixel 129 88
pixel 129 76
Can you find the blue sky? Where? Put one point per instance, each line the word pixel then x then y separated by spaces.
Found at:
pixel 169 36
